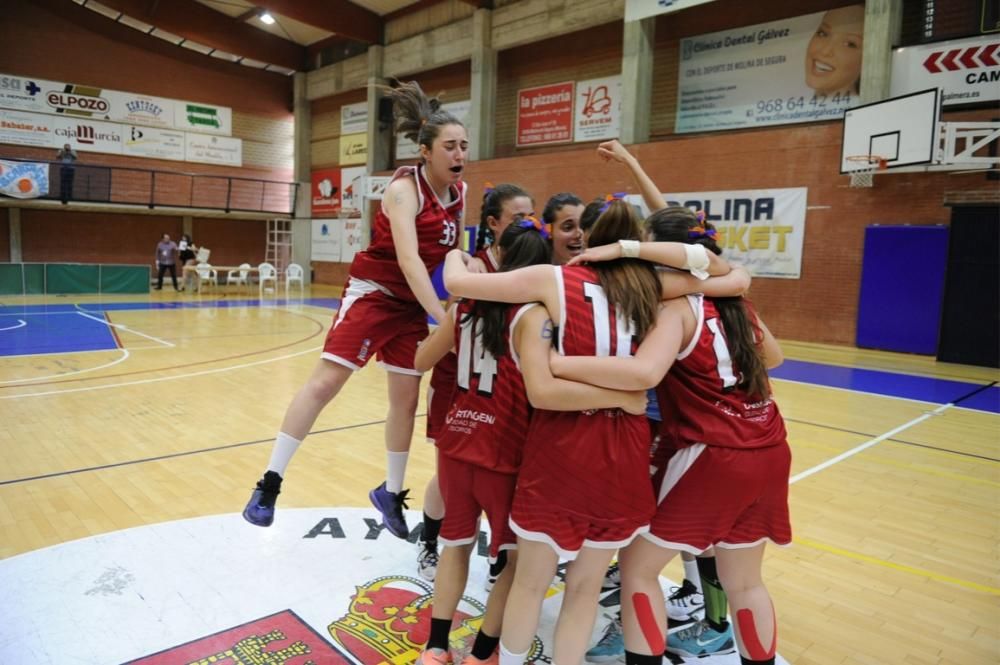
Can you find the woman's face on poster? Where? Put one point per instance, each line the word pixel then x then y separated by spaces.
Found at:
pixel 833 57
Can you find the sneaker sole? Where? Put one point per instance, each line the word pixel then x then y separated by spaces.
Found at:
pixel 605 659
pixel 260 524
pixel 403 535
pixel 728 648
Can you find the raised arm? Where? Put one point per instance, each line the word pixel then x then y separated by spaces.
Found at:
pixel 613 151
pixel 534 283
pixel 533 341
pixel 438 343
pixel 677 283
pixel 673 254
pixel 402 207
pixel 646 368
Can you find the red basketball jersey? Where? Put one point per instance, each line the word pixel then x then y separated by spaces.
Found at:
pixel 486 256
pixel 439 228
pixel 488 423
pixel 700 400
pixel 594 464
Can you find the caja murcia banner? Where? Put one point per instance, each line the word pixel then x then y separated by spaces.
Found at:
pixel 761 229
pixel 799 69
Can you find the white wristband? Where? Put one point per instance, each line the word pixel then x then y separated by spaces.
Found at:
pixel 697 260
pixel 630 248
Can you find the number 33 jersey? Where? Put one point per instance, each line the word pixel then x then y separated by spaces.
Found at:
pixel 438 225
pixel 488 423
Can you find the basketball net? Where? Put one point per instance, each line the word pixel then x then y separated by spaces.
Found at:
pixel 864 175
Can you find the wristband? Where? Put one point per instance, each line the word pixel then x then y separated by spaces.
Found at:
pixel 697 260
pixel 630 248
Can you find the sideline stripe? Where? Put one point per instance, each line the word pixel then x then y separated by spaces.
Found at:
pixel 868 444
pixel 122 326
pixel 14 481
pixel 975 586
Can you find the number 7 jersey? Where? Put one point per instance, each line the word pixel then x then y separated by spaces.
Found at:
pixel 438 225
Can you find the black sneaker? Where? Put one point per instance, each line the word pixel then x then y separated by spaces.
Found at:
pixel 260 508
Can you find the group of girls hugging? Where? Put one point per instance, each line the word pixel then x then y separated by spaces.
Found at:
pixel 543 359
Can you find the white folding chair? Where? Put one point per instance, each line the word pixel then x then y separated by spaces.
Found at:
pixel 294 273
pixel 266 273
pixel 207 275
pixel 240 276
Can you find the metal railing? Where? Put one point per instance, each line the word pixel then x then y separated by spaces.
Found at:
pixel 131 186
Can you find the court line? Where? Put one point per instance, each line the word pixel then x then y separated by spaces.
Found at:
pixel 868 444
pixel 14 481
pixel 975 586
pixel 903 441
pixel 78 371
pixel 194 364
pixel 121 326
pixel 161 378
pixel 20 324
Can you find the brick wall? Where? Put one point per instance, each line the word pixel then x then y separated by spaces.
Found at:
pixel 822 305
pixel 93 237
pixel 232 241
pixel 551 61
pixel 64 42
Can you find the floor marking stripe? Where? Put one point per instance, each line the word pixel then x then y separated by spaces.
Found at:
pixel 975 586
pixel 122 326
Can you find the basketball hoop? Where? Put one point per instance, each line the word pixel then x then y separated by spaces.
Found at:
pixel 864 174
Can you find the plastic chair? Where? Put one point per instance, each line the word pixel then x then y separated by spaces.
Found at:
pixel 207 274
pixel 266 273
pixel 294 273
pixel 203 254
pixel 240 276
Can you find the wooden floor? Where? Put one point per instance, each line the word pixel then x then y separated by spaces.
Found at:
pixel 897 548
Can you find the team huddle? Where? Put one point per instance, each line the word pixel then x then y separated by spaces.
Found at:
pixel 599 387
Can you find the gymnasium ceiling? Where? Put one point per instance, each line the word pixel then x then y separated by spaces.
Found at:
pixel 232 30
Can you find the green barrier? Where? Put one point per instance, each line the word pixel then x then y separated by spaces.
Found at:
pixel 72 278
pixel 11 279
pixel 124 279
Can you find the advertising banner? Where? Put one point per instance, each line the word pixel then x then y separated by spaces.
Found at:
pixel 761 229
pixel 350 198
pixel 545 115
pixel 213 150
pixel 87 134
pixel 799 69
pixel 203 118
pixel 26 129
pixel 354 118
pixel 351 239
pixel 327 236
pixel 326 191
pixel 353 149
pixel 640 9
pixel 407 149
pixel 23 180
pixel 154 143
pixel 598 109
pixel 966 70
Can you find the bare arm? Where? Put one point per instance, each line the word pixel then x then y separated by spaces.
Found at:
pixel 530 284
pixel 533 340
pixel 402 207
pixel 769 345
pixel 614 151
pixel 642 371
pixel 679 283
pixel 438 343
pixel 672 254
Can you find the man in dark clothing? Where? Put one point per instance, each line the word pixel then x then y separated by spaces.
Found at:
pixel 166 253
pixel 66 172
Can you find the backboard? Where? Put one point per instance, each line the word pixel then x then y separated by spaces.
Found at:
pixel 902 130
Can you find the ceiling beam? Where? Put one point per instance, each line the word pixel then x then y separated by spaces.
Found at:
pixel 199 23
pixel 341 17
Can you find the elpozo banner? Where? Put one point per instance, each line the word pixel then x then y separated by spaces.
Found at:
pixel 23 180
pixel 762 229
pixel 81 101
pixel 799 69
pixel 966 70
pixel 51 131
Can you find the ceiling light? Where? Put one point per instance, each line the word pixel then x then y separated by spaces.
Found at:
pixel 267 19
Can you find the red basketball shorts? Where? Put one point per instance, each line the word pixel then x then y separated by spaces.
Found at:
pixel 470 490
pixel 373 323
pixel 726 497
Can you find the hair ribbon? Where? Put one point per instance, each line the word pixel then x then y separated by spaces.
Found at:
pixel 609 198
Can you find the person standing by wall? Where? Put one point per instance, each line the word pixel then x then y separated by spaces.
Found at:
pixel 166 259
pixel 66 172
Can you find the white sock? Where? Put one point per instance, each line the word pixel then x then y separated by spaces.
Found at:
pixel 285 446
pixel 395 467
pixel 691 573
pixel 508 658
